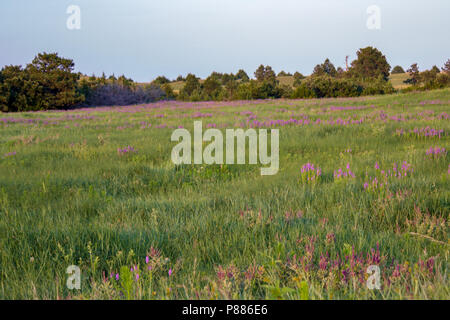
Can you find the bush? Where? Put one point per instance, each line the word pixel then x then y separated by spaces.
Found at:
pixel 439 81
pixel 298 77
pixel 192 84
pixel 169 93
pixel 397 70
pixel 326 86
pixel 283 73
pixel 259 90
pixel 329 87
pixel 379 86
pixel 159 81
pixel 414 75
pixel 115 94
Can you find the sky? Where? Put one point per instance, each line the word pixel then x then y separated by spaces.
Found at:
pixel 146 38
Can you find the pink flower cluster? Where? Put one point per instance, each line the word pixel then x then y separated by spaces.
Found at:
pixel 428 132
pixel 344 174
pixel 425 132
pixel 436 152
pixel 375 185
pixel 402 171
pixel 10 154
pixel 309 173
pixel 126 150
pixel 380 182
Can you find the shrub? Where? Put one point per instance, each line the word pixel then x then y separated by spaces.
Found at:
pixel 397 70
pixel 326 86
pixel 116 94
pixel 160 81
pixel 298 77
pixel 414 74
pixel 192 84
pixel 284 74
pixel 242 75
pixel 446 67
pixel 168 91
pixel 378 86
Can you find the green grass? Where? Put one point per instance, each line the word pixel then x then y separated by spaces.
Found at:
pixel 67 197
pixel 398 79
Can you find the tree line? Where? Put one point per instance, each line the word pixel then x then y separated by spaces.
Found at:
pixel 49 82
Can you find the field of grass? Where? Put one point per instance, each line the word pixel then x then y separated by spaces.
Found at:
pixel 73 193
pixel 398 79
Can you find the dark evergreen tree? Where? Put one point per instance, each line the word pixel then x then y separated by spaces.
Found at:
pixel 371 63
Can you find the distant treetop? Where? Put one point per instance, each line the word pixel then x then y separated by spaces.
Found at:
pixel 397 69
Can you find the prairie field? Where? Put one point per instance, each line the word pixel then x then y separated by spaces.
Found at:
pixel 397 80
pixel 362 182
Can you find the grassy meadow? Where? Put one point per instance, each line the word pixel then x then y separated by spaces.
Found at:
pixel 96 188
pixel 398 79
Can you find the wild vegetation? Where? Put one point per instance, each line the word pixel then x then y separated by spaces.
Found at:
pixel 49 82
pixel 363 181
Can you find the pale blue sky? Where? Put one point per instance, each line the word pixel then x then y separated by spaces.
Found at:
pixel 146 38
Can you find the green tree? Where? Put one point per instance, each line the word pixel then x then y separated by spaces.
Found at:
pixel 211 88
pixel 231 87
pixel 168 90
pixel 227 77
pixel 14 85
pixel 57 82
pixel 284 74
pixel 242 75
pixel 371 63
pixel 326 68
pixel 160 80
pixel 47 83
pixel 192 84
pixel 446 67
pixel 414 74
pixel 428 77
pixel 397 70
pixel 298 77
pixel 435 70
pixel 266 74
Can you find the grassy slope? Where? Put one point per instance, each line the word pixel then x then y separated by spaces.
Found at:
pixel 398 80
pixel 66 197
